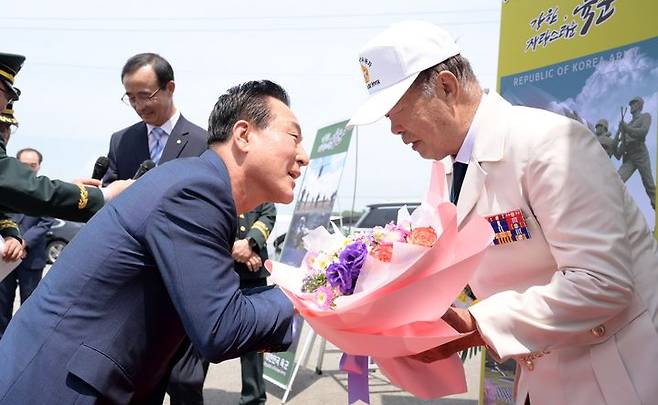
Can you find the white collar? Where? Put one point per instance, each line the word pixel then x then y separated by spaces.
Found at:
pixel 466 150
pixel 168 125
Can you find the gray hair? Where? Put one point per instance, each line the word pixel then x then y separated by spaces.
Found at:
pixel 458 66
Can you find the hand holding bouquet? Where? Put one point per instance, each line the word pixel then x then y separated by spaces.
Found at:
pixel 382 293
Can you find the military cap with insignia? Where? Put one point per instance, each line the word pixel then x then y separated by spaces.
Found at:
pixel 7 116
pixel 10 64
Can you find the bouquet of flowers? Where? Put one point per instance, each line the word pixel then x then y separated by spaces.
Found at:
pixel 382 293
pixel 333 273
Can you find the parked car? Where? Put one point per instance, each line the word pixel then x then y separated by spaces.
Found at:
pixel 278 241
pixel 375 215
pixel 59 235
pixel 382 214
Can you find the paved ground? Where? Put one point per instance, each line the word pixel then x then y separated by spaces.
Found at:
pixel 330 388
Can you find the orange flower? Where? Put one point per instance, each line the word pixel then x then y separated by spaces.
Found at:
pixel 383 252
pixel 423 236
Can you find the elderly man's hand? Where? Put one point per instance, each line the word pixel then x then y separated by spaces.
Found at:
pixel 463 322
pixel 13 250
pixel 241 251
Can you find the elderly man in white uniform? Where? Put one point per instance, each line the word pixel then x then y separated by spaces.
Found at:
pixel 569 288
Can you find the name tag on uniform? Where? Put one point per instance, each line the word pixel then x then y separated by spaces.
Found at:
pixel 508 227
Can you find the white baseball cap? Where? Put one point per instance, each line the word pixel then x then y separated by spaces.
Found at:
pixel 392 60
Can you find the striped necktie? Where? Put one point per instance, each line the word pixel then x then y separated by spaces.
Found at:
pixel 156 143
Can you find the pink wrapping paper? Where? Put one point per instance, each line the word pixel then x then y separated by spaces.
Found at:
pixel 396 308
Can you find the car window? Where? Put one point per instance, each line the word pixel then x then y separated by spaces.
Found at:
pixel 380 216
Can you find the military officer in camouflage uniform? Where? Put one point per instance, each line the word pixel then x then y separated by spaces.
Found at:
pixel 635 152
pixel 250 252
pixel 22 192
pixel 605 137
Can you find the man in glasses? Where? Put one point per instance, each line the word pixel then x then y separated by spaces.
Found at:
pixel 163 133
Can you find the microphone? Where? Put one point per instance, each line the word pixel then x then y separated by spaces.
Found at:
pixel 100 168
pixel 146 165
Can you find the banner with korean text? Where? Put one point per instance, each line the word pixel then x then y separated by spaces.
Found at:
pixel 597 62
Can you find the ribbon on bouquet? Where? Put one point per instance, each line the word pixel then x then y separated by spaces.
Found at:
pixel 357 378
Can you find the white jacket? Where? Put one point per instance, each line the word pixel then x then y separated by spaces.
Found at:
pixel 577 303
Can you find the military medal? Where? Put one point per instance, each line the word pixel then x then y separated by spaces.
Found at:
pixel 508 227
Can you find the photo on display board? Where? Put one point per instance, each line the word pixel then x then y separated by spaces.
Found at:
pixel 601 91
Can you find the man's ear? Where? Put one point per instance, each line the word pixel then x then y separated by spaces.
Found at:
pixel 241 133
pixel 170 86
pixel 449 87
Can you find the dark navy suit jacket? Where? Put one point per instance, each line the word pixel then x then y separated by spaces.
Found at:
pixel 33 230
pixel 151 266
pixel 129 147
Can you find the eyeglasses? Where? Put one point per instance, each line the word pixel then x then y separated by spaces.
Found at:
pixel 140 97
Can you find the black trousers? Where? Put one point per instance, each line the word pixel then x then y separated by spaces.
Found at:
pixel 187 377
pixel 184 378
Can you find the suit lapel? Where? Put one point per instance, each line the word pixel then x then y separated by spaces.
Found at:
pixel 142 151
pixel 176 142
pixel 131 151
pixel 488 147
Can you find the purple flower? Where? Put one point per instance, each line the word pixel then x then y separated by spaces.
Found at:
pixel 353 257
pixel 350 261
pixel 339 275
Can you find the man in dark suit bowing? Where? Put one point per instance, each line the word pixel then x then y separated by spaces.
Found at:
pixel 162 135
pixel 155 265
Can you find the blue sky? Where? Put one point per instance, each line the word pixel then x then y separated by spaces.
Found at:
pixel 75 50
